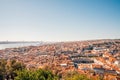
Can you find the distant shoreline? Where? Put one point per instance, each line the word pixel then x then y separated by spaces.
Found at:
pixel 16 42
pixel 4 45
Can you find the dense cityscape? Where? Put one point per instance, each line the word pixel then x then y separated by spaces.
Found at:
pixel 59 39
pixel 93 58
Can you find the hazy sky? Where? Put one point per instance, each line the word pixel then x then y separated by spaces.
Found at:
pixel 59 20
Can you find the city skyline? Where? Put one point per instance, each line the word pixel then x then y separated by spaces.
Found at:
pixel 59 20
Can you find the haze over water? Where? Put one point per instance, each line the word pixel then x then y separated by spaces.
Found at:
pixel 16 45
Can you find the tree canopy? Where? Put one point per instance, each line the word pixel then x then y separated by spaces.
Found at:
pixel 35 75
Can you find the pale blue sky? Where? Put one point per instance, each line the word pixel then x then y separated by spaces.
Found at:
pixel 59 20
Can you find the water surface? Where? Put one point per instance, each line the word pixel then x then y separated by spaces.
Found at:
pixel 15 45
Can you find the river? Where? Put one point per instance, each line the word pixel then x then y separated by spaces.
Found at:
pixel 15 45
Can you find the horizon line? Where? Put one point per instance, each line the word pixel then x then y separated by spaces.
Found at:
pixel 57 41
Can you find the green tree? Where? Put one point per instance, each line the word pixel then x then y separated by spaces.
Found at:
pixel 12 66
pixel 24 75
pixel 2 68
pixel 9 67
pixel 35 75
pixel 75 76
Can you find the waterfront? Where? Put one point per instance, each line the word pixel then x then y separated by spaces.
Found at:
pixel 19 44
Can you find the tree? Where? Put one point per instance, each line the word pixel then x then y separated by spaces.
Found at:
pixel 75 76
pixel 35 75
pixel 12 66
pixel 2 68
pixel 8 68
